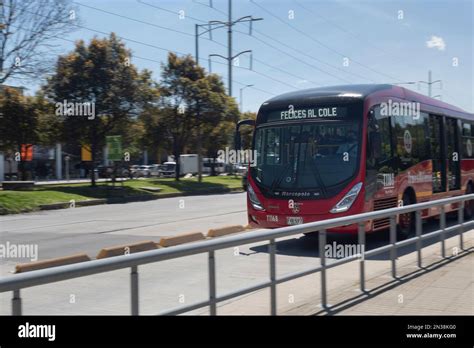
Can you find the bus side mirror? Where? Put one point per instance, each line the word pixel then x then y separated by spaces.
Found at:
pixel 237 140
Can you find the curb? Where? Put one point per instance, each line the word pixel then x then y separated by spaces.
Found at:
pixel 217 232
pixel 60 261
pixel 119 250
pixel 121 200
pixel 66 205
pixel 122 249
pixel 180 239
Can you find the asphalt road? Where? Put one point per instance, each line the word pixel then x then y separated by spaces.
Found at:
pixel 88 229
pixel 166 284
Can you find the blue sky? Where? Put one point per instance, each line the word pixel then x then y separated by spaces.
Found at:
pixel 379 43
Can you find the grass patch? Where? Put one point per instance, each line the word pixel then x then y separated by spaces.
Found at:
pixel 12 202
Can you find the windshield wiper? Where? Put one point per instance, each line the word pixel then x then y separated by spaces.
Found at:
pixel 276 182
pixel 318 178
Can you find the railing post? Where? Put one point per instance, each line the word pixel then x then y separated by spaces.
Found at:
pixel 322 257
pixel 273 300
pixel 442 222
pixel 361 235
pixel 461 225
pixel 418 235
pixel 134 289
pixel 16 302
pixel 393 240
pixel 212 283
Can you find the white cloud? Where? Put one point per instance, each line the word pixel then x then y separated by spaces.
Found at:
pixel 436 42
pixel 302 82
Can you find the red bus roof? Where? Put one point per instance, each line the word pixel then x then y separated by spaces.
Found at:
pixel 363 91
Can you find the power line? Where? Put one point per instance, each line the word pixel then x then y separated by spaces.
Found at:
pixel 319 42
pixel 179 32
pixel 156 61
pixel 212 7
pixel 134 19
pixel 341 28
pixel 171 11
pixel 161 48
pixel 294 57
pixel 303 53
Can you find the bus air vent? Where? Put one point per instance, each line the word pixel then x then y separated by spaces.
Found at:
pixel 381 204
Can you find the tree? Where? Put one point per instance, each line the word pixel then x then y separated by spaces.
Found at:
pixel 191 100
pixel 28 29
pixel 99 76
pixel 18 124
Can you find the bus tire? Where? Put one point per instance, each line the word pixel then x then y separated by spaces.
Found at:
pixel 406 222
pixel 468 205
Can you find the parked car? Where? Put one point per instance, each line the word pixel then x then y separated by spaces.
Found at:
pixel 145 171
pixel 107 171
pixel 134 171
pixel 208 163
pixel 168 170
pixel 240 168
pixel 155 169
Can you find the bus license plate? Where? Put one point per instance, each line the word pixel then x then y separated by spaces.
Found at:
pixel 294 220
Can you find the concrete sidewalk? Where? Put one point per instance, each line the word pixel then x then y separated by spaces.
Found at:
pixel 442 286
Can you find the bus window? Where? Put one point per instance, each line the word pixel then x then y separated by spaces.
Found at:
pixel 467 140
pixel 379 152
pixel 410 134
pixel 380 169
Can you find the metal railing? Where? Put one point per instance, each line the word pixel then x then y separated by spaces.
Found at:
pixel 34 278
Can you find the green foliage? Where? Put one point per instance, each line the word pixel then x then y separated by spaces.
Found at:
pixel 194 105
pixel 100 74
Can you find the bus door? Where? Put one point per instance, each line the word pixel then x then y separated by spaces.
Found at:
pixel 438 153
pixel 452 153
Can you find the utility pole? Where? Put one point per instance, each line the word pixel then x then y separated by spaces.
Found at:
pixel 230 58
pixel 430 82
pixel 229 47
pixel 209 28
pixel 212 25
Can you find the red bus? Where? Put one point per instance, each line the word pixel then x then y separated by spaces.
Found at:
pixel 329 152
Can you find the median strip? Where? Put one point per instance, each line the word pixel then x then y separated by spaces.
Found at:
pixel 60 261
pixel 126 249
pixel 181 239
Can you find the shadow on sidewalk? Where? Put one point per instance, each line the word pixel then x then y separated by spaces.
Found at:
pixel 372 293
pixel 308 246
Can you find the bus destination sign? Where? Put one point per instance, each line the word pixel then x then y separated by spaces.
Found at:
pixel 327 112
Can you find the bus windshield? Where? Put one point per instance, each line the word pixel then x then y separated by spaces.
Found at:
pixel 305 156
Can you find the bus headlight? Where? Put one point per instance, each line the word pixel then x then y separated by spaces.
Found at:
pixel 346 202
pixel 254 199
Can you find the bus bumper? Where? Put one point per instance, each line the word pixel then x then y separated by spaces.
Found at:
pixel 266 220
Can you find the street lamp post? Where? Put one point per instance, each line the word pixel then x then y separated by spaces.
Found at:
pixel 241 97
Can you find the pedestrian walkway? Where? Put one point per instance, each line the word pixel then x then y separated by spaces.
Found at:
pixel 442 287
